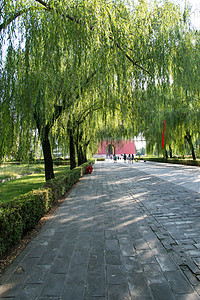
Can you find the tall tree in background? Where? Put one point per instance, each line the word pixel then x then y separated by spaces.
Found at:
pixel 60 51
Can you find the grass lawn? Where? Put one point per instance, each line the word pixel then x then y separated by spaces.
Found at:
pixel 17 187
pixel 13 170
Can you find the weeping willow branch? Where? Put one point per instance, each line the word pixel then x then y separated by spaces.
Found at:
pixel 83 116
pixel 43 5
pixel 132 61
pixel 48 8
pixel 14 17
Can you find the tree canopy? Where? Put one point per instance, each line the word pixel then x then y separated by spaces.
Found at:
pixel 72 71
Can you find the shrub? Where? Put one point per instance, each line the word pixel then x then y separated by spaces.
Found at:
pixel 101 159
pixel 22 213
pixel 11 227
pixel 172 161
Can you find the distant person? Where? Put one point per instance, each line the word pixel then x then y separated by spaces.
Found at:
pixel 132 157
pixel 124 158
pixel 129 158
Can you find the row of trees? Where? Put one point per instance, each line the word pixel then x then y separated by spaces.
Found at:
pixel 76 72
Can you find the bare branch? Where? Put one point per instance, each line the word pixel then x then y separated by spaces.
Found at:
pixel 135 63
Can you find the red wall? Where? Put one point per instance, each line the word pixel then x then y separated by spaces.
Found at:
pixel 121 147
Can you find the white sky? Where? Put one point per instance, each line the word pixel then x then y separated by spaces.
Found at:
pixel 195 11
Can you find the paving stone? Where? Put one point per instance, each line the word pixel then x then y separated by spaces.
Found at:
pixel 146 256
pixel 94 298
pixel 30 291
pixel 141 244
pixel 131 263
pixel 115 275
pixel 61 265
pixel 162 291
pixel 48 257
pixel 76 274
pixel 53 285
pixel 47 298
pixel 153 273
pixel 127 249
pixel 115 241
pixel 191 265
pixel 112 244
pixel 118 292
pixel 67 249
pixel 37 250
pixel 110 234
pixel 38 274
pixel 73 292
pixel 166 264
pixel 96 285
pixel 138 286
pixel 13 286
pixel 178 282
pixel 80 257
pixel 96 264
pixel 112 257
pixel 192 296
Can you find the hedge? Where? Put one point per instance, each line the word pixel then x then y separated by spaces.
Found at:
pixel 23 213
pixel 187 162
pixel 101 159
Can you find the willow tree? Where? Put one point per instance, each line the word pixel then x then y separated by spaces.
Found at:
pixel 187 87
pixel 66 47
pixel 61 45
pixel 173 94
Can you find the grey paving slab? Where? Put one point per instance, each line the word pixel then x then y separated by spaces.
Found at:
pixel 124 232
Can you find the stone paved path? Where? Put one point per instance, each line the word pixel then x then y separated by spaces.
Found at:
pixel 121 234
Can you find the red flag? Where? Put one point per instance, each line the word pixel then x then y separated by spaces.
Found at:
pixel 163 137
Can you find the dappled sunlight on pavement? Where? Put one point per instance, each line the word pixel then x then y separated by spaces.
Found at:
pixel 122 233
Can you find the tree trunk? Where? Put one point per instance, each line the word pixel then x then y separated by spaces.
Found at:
pixel 188 137
pixel 81 156
pixel 48 161
pixel 72 150
pixel 46 147
pixel 170 152
pixel 165 154
pixel 80 152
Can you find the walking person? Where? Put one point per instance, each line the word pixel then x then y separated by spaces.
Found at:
pixel 124 158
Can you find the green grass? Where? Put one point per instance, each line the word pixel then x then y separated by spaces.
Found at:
pixel 60 170
pixel 13 170
pixel 20 186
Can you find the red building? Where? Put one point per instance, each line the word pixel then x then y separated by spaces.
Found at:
pixel 108 148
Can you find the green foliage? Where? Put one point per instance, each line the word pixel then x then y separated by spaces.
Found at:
pixel 21 214
pixel 11 228
pixel 17 187
pixel 172 161
pixel 9 170
pixel 94 67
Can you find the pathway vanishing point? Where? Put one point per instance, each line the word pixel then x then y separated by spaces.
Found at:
pixel 124 232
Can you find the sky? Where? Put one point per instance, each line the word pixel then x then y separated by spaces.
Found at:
pixel 195 11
